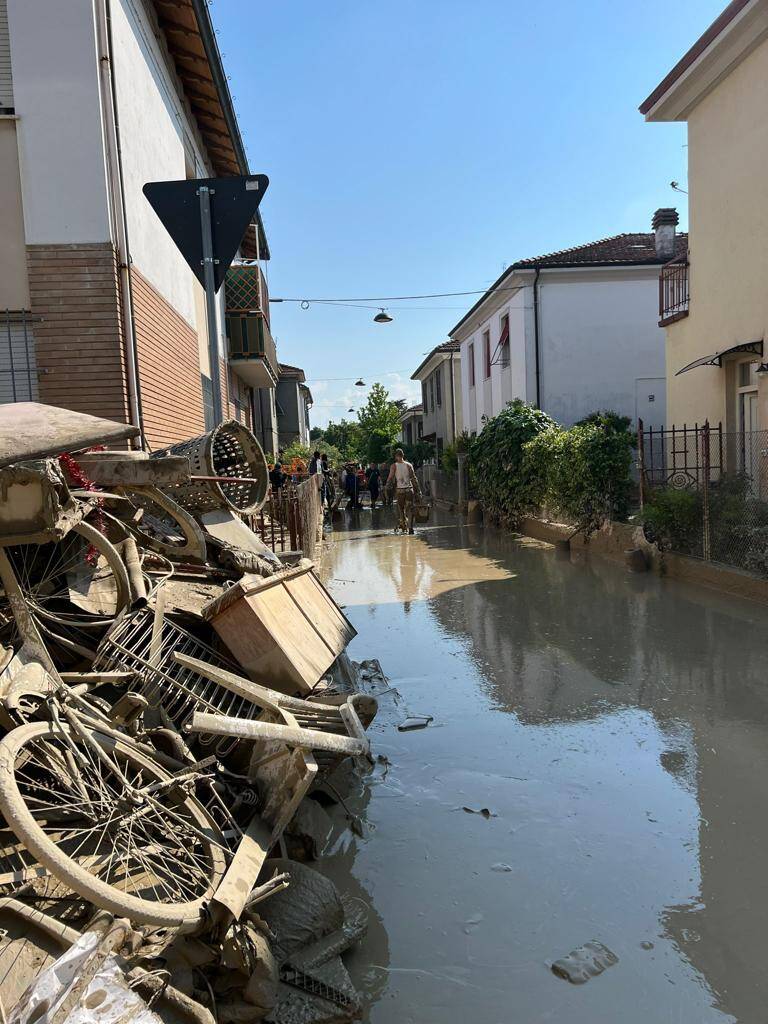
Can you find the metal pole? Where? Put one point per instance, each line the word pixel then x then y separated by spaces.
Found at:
pixel 706 539
pixel 206 231
pixel 641 461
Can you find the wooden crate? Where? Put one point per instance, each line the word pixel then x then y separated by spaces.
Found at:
pixel 286 630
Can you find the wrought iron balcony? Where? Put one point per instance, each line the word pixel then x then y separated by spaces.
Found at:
pixel 674 295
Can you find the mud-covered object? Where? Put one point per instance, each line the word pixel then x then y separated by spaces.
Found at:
pixel 307 833
pixel 584 963
pixel 313 925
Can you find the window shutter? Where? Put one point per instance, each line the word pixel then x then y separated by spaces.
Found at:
pixel 6 82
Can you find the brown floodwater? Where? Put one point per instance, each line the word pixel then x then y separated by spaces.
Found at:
pixel 615 726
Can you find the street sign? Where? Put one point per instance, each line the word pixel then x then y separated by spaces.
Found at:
pixel 233 203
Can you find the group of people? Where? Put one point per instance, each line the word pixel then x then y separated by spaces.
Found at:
pixel 400 484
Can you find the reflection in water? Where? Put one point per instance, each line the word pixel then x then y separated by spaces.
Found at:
pixel 618 725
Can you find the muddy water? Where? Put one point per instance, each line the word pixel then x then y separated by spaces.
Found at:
pixel 615 726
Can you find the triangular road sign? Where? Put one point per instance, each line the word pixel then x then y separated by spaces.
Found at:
pixel 234 201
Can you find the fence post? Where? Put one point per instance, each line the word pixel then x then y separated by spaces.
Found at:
pixel 462 473
pixel 705 459
pixel 641 460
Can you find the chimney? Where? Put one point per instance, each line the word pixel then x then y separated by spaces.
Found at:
pixel 664 223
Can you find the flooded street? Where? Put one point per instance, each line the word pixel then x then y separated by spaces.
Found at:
pixel 616 729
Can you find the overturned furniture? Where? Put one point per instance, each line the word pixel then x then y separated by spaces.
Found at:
pixel 286 631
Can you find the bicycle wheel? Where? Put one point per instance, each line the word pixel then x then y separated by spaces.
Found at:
pixel 83 569
pixel 160 523
pixel 117 828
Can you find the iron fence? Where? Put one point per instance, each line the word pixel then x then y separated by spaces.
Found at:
pixel 724 518
pixel 18 367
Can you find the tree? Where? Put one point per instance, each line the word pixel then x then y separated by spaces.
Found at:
pixel 316 434
pixel 346 437
pixel 378 422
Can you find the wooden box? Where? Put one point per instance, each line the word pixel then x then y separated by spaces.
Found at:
pixel 286 630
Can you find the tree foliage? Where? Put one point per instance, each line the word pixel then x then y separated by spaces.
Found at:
pixel 496 460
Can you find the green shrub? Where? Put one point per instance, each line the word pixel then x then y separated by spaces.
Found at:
pixel 672 519
pixel 496 461
pixel 449 460
pixel 417 454
pixel 612 423
pixel 583 473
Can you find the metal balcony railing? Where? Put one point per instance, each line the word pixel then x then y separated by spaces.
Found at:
pixel 674 294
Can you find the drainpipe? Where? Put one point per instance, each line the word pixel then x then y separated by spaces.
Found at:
pixel 536 336
pixel 117 206
pixel 453 403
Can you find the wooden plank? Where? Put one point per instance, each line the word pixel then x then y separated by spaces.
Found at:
pixel 240 878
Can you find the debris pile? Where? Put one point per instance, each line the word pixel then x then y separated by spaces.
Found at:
pixel 172 692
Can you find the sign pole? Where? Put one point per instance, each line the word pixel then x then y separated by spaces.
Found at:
pixel 208 261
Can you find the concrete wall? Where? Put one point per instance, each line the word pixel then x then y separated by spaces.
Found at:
pixel 443 420
pixel 158 144
pixel 728 212
pixel 599 334
pixel 289 419
pixel 14 288
pixel 56 93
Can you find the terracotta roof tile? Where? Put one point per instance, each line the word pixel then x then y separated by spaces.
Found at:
pixel 629 248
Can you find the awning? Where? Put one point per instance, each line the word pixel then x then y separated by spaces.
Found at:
pixel 716 359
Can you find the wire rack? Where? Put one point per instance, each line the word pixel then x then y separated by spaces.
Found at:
pixel 131 646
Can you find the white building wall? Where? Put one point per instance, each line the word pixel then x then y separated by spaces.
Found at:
pixel 599 336
pixel 158 144
pixel 489 396
pixel 56 96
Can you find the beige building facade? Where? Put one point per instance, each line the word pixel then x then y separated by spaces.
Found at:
pixel 714 304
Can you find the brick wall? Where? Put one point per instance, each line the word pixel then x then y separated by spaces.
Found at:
pixel 74 289
pixel 169 368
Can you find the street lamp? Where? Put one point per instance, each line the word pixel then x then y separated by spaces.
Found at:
pixel 360 383
pixel 383 318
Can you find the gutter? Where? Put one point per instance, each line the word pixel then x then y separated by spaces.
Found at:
pixel 117 211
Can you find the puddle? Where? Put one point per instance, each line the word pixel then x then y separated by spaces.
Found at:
pixel 616 725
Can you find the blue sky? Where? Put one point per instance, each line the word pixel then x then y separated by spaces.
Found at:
pixel 420 147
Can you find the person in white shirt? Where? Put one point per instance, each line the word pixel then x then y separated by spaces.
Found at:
pixel 403 477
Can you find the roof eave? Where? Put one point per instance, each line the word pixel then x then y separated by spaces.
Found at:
pixel 212 53
pixel 731 36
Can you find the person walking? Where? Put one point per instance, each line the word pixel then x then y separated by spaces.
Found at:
pixel 406 483
pixel 374 480
pixel 314 464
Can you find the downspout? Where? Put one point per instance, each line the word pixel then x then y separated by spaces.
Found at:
pixel 453 404
pixel 536 336
pixel 117 203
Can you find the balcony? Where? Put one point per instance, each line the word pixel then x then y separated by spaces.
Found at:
pixel 252 352
pixel 674 295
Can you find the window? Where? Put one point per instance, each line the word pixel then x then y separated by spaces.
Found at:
pixel 421 428
pixel 471 355
pixel 504 341
pixel 424 401
pixel 432 392
pixel 487 354
pixel 438 385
